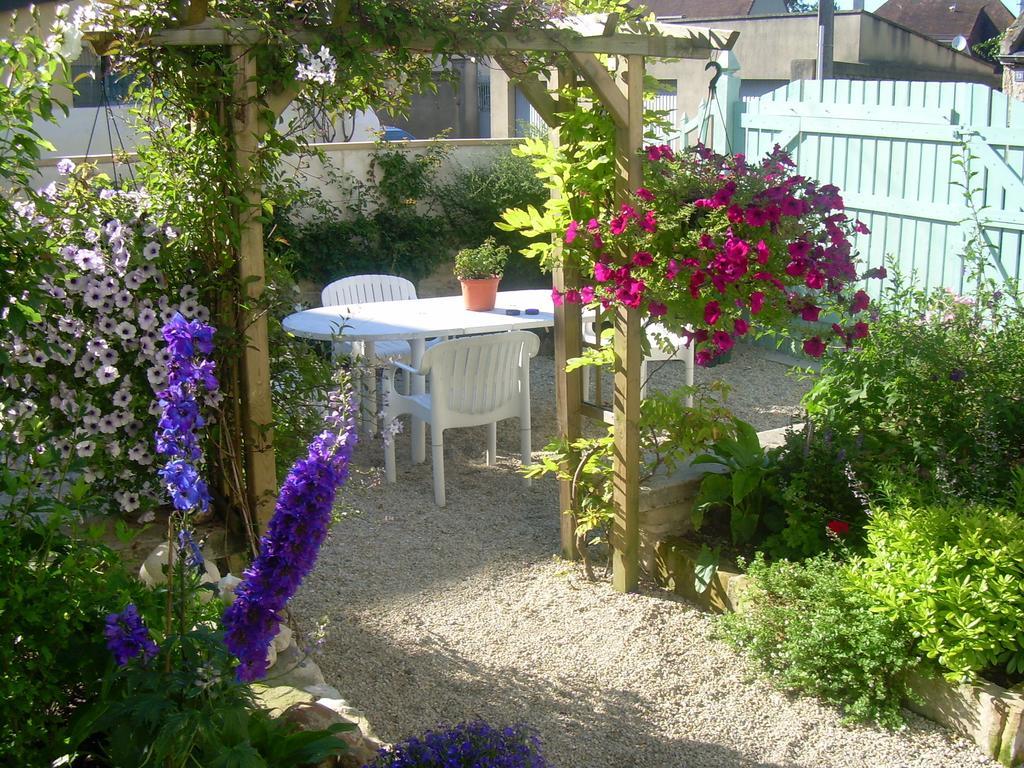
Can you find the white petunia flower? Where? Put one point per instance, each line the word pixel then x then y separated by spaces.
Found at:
pixel 107 374
pixel 147 319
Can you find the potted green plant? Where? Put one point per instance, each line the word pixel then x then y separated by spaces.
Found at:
pixel 479 271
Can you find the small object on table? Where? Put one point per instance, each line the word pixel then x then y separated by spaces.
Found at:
pixel 512 312
pixel 533 311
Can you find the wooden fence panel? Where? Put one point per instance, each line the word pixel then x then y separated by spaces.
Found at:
pixel 890 146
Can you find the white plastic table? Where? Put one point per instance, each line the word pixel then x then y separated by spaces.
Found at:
pixel 415 321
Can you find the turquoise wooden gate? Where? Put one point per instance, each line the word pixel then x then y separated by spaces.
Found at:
pixel 890 147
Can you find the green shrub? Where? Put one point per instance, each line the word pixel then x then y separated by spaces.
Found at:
pixel 403 220
pixel 55 592
pixel 391 225
pixel 807 630
pixel 399 242
pixel 936 390
pixel 821 500
pixel 953 573
pixel 473 200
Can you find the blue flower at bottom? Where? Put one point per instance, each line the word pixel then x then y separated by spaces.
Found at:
pixel 466 745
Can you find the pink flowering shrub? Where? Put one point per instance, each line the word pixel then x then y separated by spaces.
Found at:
pixel 83 376
pixel 720 248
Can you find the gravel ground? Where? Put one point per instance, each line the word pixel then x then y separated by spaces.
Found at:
pixel 441 615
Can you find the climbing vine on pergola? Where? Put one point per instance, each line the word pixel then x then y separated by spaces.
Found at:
pixel 570 56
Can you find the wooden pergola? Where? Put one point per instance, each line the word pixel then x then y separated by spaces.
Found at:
pixel 574 50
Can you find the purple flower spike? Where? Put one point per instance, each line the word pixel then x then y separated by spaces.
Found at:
pixel 128 637
pixel 289 548
pixel 188 370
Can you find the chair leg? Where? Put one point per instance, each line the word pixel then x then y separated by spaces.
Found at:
pixel 586 382
pixel 492 443
pixel 437 459
pixel 643 379
pixel 526 445
pixel 357 393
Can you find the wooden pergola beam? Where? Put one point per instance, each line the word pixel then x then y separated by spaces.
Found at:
pixel 533 87
pixel 598 77
pixel 669 41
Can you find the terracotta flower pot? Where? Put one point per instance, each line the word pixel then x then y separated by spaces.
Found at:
pixel 480 295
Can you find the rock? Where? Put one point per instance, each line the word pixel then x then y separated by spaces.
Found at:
pixel 271 657
pixel 323 692
pixel 317 717
pixel 295 669
pixel 152 572
pixel 353 715
pixel 226 588
pixel 283 638
pixel 277 698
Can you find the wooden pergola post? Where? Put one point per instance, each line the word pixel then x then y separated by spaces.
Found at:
pixel 568 343
pixel 257 410
pixel 627 347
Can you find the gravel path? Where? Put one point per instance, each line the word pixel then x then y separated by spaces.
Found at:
pixel 441 615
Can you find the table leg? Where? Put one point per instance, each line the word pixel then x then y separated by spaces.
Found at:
pixel 370 387
pixel 417 386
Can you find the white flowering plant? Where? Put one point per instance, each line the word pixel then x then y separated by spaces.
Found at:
pixel 80 384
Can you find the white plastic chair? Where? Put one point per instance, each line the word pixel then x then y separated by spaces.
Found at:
pixel 473 380
pixel 665 345
pixel 370 289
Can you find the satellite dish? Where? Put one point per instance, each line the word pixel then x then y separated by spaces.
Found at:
pixel 959 43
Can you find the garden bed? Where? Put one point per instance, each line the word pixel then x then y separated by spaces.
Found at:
pixel 989 715
pixel 666 501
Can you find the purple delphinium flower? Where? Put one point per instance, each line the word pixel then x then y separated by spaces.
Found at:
pixel 466 745
pixel 127 636
pixel 190 551
pixel 957 374
pixel 188 370
pixel 289 548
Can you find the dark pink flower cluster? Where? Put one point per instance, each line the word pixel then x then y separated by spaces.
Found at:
pixel 756 243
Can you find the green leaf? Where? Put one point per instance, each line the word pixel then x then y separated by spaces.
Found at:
pixel 30 313
pixel 705 568
pixel 744 482
pixel 714 489
pixel 742 525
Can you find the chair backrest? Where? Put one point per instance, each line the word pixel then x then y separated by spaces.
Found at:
pixel 486 374
pixel 664 344
pixel 366 289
